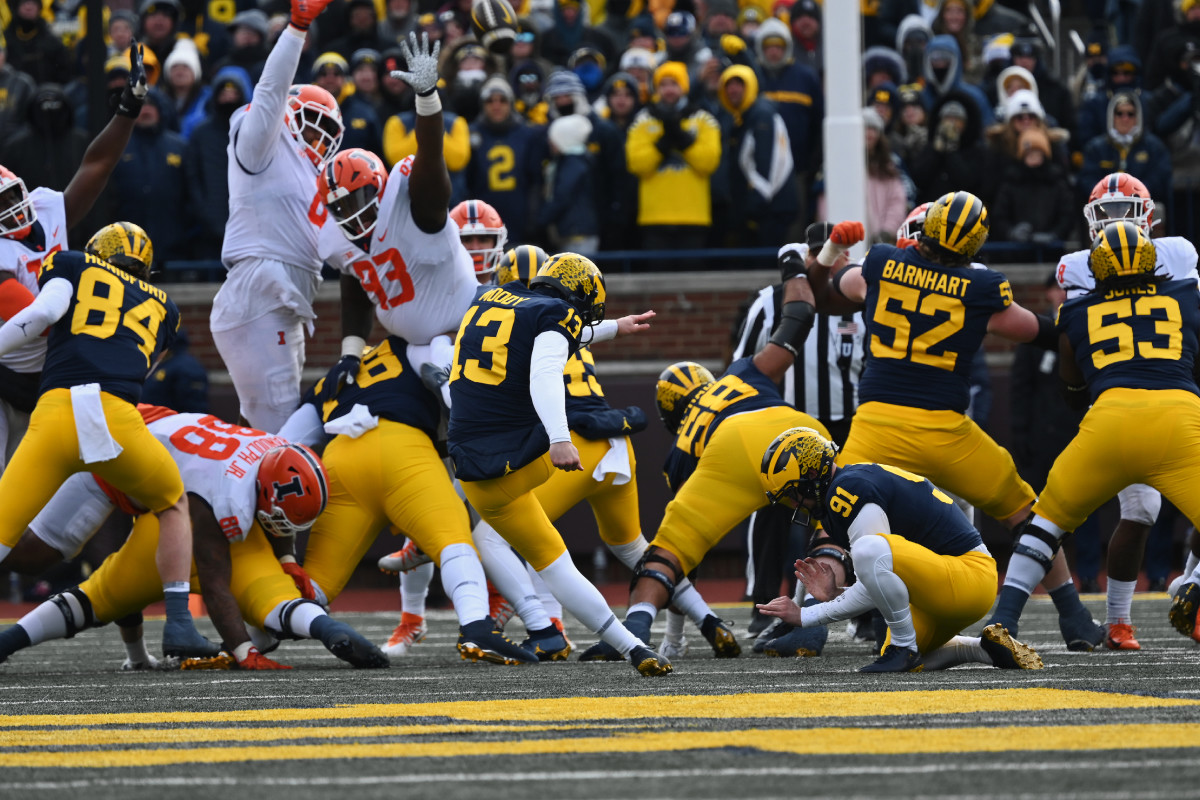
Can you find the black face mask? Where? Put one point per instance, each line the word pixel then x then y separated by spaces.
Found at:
pixel 225 110
pixel 50 114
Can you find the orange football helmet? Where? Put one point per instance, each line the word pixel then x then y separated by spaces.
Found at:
pixel 351 185
pixel 312 111
pixel 477 218
pixel 1119 195
pixel 17 213
pixel 912 226
pixel 293 489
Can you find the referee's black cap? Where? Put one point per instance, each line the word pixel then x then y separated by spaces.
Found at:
pixel 816 234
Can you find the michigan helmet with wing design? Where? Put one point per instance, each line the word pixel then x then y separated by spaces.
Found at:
pixel 677 385
pixel 579 282
pixel 477 218
pixel 520 264
pixel 315 121
pixel 124 245
pixel 1119 195
pixel 17 213
pixel 957 224
pixel 293 489
pixel 351 185
pixel 913 224
pixel 1122 254
pixel 798 465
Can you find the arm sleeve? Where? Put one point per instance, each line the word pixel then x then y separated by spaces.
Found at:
pixel 849 604
pixel 546 389
pixel 255 142
pixel 641 155
pixel 869 520
pixel 603 332
pixel 304 426
pixel 705 153
pixel 45 310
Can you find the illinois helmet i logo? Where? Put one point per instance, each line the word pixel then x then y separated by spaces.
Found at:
pixel 293 489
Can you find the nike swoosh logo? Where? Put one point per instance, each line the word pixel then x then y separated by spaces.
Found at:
pixel 382 235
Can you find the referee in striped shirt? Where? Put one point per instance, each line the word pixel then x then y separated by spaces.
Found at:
pixel 824 384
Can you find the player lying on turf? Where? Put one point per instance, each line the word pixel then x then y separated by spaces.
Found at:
pixel 915 556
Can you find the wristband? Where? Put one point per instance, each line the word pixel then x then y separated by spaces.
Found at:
pixel 428 105
pixel 830 253
pixel 353 346
pixel 287 560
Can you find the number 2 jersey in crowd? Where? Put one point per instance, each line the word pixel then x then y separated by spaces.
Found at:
pixel 114 329
pixel 925 321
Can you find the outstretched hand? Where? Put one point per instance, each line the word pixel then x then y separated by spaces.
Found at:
pixel 134 96
pixel 422 74
pixel 781 607
pixel 818 578
pixel 305 11
pixel 634 323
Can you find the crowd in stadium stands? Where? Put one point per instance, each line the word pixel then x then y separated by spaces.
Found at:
pixel 561 136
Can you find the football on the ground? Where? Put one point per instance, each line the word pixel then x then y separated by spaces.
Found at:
pixel 495 24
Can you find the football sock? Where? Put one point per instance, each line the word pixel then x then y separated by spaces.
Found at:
pixel 17 638
pixel 175 596
pixel 46 622
pixel 959 650
pixel 136 652
pixel 689 602
pixel 874 567
pixel 506 571
pixel 1009 604
pixel 1066 600
pixel 1119 600
pixel 675 622
pixel 291 618
pixel 464 582
pixel 547 598
pixel 631 552
pixel 586 603
pixel 414 586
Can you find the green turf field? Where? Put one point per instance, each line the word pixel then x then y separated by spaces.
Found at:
pixel 1097 726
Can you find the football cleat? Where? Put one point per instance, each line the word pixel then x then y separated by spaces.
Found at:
pixel 163 664
pixel 410 630
pixel 1121 636
pixel 1005 651
pixel 221 661
pixel 548 644
pixel 484 641
pixel 1081 633
pixel 601 651
pixel 406 558
pixel 776 629
pixel 673 648
pixel 1183 610
pixel 182 640
pixel 558 623
pixel 648 662
pixel 799 642
pixel 896 659
pixel 758 624
pixel 499 609
pixel 720 637
pixel 348 644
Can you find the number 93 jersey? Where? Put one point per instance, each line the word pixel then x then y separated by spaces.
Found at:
pixel 925 322
pixel 218 462
pixel 1143 338
pixel 494 428
pixel 114 328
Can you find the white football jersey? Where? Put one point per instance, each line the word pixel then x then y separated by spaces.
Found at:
pixel 219 462
pixel 1176 258
pixel 18 260
pixel 273 214
pixel 421 284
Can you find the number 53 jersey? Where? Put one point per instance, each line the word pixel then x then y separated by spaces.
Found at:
pixel 925 322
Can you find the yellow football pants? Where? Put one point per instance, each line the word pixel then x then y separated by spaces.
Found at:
pixel 615 507
pixel 509 505
pixel 49 454
pixel 1128 436
pixel 946 447
pixel 128 579
pixel 725 488
pixel 389 474
pixel 945 593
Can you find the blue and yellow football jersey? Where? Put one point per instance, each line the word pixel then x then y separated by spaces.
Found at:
pixel 915 508
pixel 387 384
pixel 494 428
pixel 114 329
pixel 1144 338
pixel 588 412
pixel 742 388
pixel 924 323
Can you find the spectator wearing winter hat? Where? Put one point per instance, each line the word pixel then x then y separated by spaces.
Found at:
pixel 464 69
pixel 1021 112
pixel 749 19
pixel 32 46
pixel 1171 44
pixel 721 20
pixel 122 24
pixel 1010 80
pixel 943 74
pixel 160 26
pixel 621 103
pixel 884 100
pixel 527 80
pixel 183 89
pixel 505 168
pixel 569 214
pixel 1053 94
pixel 590 66
pixel 908 133
pixel 395 96
pixel 1093 72
pixel 1128 146
pixel 362 128
pixel 364 74
pixel 954 158
pixel 882 65
pixel 683 44
pixel 248 31
pixel 957 18
pixel 1034 203
pixel 400 19
pixel 673 148
pixel 640 63
pixel 362 29
pixel 527 46
pixel 1124 74
pixel 805 25
pixel 912 37
pixel 571 31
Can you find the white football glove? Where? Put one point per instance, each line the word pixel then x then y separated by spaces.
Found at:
pixel 422 63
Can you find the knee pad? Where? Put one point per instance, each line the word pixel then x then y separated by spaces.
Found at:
pixel 1140 503
pixel 76 621
pixel 1028 528
pixel 285 619
pixel 652 556
pixel 130 620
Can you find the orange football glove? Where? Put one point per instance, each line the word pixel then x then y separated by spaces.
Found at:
pixel 305 11
pixel 257 661
pixel 847 233
pixel 301 579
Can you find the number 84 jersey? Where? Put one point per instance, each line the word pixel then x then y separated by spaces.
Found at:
pixel 218 462
pixel 420 283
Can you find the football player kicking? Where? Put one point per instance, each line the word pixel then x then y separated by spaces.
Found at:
pixel 927 309
pixel 108 326
pixel 249 490
pixel 277 146
pixel 1129 346
pixel 915 556
pixel 510 353
pixel 1122 196
pixel 717 425
pixel 35 224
